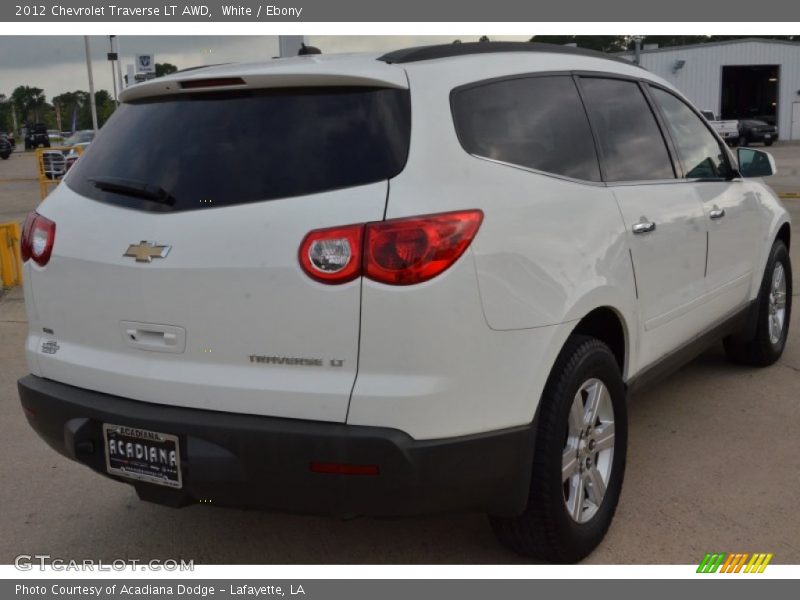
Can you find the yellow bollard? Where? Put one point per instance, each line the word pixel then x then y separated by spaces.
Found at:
pixel 52 166
pixel 10 259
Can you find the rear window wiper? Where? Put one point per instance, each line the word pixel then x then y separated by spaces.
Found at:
pixel 131 187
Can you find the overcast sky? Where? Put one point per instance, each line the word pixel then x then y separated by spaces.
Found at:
pixel 57 64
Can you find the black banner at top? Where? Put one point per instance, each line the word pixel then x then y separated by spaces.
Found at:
pixel 453 11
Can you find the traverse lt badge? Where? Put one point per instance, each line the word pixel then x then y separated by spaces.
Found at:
pixel 146 251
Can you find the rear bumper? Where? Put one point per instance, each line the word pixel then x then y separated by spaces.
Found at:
pixel 264 462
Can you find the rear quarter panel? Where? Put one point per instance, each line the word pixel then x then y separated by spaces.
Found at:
pixel 550 249
pixel 472 349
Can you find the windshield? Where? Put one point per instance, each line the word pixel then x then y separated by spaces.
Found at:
pixel 210 150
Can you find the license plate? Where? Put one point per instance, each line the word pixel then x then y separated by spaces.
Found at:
pixel 767 136
pixel 143 455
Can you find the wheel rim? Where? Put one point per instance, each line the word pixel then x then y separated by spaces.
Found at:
pixel 588 453
pixel 776 313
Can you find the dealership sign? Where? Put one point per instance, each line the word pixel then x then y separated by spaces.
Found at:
pixel 145 63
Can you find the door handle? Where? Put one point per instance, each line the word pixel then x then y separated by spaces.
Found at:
pixel 154 337
pixel 644 226
pixel 716 213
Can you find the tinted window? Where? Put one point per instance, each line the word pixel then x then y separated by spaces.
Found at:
pixel 209 150
pixel 701 154
pixel 630 140
pixel 535 122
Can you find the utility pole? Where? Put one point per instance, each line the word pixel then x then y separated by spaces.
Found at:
pixel 119 63
pixel 92 100
pixel 637 49
pixel 112 57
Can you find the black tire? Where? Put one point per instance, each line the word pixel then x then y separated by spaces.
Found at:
pixel 768 143
pixel 760 351
pixel 5 156
pixel 545 530
pixel 742 141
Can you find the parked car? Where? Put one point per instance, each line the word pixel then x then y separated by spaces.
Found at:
pixel 753 131
pixel 728 130
pixel 54 163
pixel 74 153
pixel 5 147
pixel 36 135
pixel 84 136
pixel 321 312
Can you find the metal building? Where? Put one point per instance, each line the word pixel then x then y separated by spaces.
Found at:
pixel 748 78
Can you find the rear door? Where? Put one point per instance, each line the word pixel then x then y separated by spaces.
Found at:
pixel 664 218
pixel 731 210
pixel 175 276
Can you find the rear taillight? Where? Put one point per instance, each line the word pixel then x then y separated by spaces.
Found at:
pixel 397 252
pixel 333 255
pixel 416 249
pixel 38 237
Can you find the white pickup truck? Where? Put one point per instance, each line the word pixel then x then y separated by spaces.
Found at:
pixel 727 130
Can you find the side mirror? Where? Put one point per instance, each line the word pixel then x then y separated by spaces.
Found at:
pixel 755 163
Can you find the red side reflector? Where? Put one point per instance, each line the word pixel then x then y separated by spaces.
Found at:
pixel 343 469
pixel 211 82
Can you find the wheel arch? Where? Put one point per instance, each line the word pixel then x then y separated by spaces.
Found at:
pixel 607 325
pixel 785 234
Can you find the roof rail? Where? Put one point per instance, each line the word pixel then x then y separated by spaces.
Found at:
pixel 195 68
pixel 419 53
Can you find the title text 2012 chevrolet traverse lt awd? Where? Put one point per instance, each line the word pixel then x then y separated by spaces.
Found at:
pixel 391 285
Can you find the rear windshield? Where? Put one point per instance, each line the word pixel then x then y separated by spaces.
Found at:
pixel 207 150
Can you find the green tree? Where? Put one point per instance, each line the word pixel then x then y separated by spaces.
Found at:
pixel 5 114
pixel 29 102
pixel 105 106
pixel 48 116
pixel 165 69
pixel 69 103
pixel 77 102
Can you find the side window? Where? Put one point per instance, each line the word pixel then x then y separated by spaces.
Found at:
pixel 701 153
pixel 630 140
pixel 534 122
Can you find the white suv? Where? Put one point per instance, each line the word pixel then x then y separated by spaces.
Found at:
pixel 398 284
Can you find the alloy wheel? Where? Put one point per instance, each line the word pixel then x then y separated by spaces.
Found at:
pixel 589 451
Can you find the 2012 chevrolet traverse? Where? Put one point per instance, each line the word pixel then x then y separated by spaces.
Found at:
pixel 391 285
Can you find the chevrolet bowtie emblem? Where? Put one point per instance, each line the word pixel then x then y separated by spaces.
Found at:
pixel 146 251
